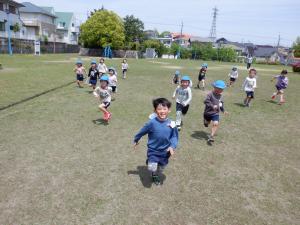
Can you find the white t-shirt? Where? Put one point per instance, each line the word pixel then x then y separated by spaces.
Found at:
pixel 112 80
pixel 102 68
pixel 124 66
pixel 249 84
pixel 184 95
pixel 103 94
pixel 233 74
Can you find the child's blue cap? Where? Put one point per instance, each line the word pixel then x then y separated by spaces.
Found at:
pixel 93 62
pixel 219 84
pixel 177 72
pixel 204 65
pixel 78 62
pixel 185 78
pixel 104 78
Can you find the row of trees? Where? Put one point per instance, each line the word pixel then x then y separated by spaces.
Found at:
pixel 105 28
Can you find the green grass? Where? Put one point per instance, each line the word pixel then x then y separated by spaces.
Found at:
pixel 60 165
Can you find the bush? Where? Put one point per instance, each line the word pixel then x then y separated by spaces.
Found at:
pixel 157 45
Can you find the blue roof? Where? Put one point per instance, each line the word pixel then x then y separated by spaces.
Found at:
pixel 31 8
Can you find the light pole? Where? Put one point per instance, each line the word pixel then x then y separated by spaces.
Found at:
pixel 8 32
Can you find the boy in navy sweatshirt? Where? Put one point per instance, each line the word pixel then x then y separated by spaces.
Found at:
pixel 162 138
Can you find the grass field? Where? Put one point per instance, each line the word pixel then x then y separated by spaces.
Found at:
pixel 59 164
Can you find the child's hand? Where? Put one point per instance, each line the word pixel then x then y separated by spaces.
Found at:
pixel 173 97
pixel 171 150
pixel 135 145
pixel 226 113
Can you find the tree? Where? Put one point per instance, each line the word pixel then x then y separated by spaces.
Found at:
pixel 296 47
pixel 134 29
pixel 165 34
pixel 101 29
pixel 157 45
pixel 174 48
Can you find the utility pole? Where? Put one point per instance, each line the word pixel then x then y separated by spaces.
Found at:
pixel 8 32
pixel 278 43
pixel 179 50
pixel 213 29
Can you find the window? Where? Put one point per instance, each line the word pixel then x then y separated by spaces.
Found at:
pixel 72 24
pixel 2 26
pixel 11 27
pixel 12 9
pixel 1 6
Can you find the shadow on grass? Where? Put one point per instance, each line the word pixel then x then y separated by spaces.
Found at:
pixel 239 104
pixel 145 176
pixel 100 122
pixel 201 135
pixel 271 101
pixel 89 92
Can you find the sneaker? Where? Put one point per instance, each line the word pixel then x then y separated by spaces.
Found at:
pixel 105 116
pixel 273 97
pixel 155 179
pixel 198 86
pixel 178 127
pixel 210 138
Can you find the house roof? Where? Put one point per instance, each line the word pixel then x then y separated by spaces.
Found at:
pixel 48 9
pixel 201 39
pixel 31 8
pixel 64 17
pixel 264 51
pixel 14 3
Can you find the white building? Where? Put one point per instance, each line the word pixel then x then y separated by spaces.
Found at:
pixel 10 19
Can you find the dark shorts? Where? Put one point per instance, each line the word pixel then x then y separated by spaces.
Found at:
pixel 106 104
pixel 209 118
pixel 279 88
pixel 79 77
pixel 114 89
pixel 175 80
pixel 201 77
pixel 250 94
pixel 183 109
pixel 124 70
pixel 93 82
pixel 232 79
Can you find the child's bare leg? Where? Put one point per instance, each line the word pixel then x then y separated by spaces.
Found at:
pixel 203 83
pixel 103 109
pixel 214 128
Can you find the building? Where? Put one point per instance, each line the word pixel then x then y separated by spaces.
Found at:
pixel 66 28
pixel 39 23
pixel 10 19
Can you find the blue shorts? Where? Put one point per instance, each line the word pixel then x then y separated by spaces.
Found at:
pixel 250 94
pixel 279 88
pixel 79 77
pixel 93 82
pixel 214 117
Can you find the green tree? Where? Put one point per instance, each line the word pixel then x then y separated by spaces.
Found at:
pixel 134 29
pixel 157 45
pixel 296 47
pixel 174 48
pixel 101 29
pixel 164 34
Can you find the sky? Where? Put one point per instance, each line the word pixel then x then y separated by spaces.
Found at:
pixel 256 21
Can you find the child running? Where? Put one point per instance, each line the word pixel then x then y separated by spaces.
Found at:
pixel 201 77
pixel 213 105
pixel 282 83
pixel 104 94
pixel 183 94
pixel 93 74
pixel 80 72
pixel 162 138
pixel 233 75
pixel 102 68
pixel 124 68
pixel 249 86
pixel 112 79
pixel 176 77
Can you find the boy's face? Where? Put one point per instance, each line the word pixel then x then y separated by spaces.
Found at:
pixel 103 84
pixel 111 72
pixel 93 66
pixel 218 90
pixel 185 83
pixel 252 74
pixel 101 61
pixel 162 112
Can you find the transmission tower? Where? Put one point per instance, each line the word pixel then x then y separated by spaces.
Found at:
pixel 213 31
